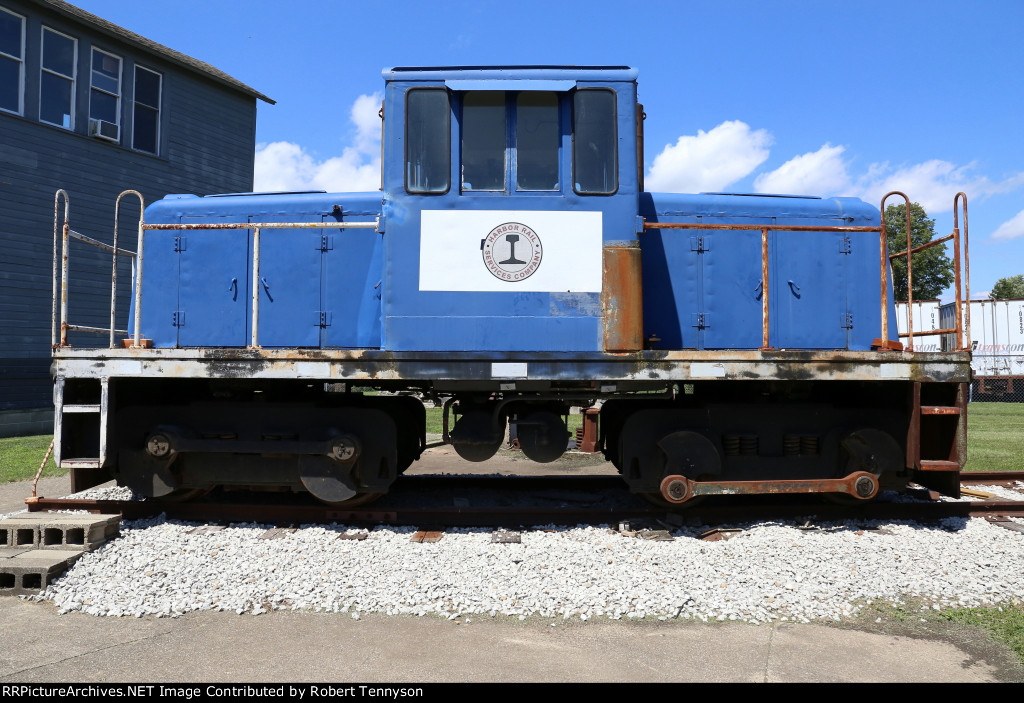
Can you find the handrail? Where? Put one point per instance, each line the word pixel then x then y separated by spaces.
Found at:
pixel 67 234
pixel 113 271
pixel 967 343
pixel 885 263
pixel 67 215
pixel 962 288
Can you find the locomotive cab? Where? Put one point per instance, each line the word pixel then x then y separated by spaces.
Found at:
pixel 510 217
pixel 511 200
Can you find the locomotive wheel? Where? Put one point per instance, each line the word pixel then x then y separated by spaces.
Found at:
pixel 689 454
pixel 328 481
pixel 474 438
pixel 542 436
pixel 868 450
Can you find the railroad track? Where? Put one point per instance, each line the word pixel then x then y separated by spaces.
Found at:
pixel 514 501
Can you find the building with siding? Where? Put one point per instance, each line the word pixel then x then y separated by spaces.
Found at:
pixel 94 109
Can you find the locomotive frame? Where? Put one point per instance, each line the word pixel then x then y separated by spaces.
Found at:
pixel 758 397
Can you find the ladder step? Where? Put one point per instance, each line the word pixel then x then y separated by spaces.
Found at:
pixel 82 408
pixel 940 410
pixel 937 465
pixel 80 463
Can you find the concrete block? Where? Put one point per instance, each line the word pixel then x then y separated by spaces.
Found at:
pixel 46 530
pixel 31 572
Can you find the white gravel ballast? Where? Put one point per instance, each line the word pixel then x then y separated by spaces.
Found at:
pixel 767 572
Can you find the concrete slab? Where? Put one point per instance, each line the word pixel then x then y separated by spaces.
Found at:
pixel 291 646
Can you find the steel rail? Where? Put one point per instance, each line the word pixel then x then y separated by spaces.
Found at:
pixel 390 510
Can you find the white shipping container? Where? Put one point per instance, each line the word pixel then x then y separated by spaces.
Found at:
pixel 997 336
pixel 926 318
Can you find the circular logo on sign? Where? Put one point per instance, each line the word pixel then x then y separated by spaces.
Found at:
pixel 512 252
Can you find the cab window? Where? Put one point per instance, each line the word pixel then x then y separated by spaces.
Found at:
pixel 510 141
pixel 594 159
pixel 427 141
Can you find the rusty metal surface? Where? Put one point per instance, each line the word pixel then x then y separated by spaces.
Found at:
pixel 765 288
pixel 264 225
pixel 427 536
pixel 773 228
pixel 654 367
pixel 929 245
pixel 622 299
pixel 1001 478
pixel 961 262
pixel 960 201
pixel 679 489
pixel 939 410
pixel 586 435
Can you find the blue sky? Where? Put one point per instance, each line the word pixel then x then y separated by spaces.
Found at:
pixel 822 98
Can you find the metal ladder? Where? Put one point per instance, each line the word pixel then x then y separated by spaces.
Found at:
pixel 80 428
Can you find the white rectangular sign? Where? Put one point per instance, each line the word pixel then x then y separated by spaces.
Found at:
pixel 538 251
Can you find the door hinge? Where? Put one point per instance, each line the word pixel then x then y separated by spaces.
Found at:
pixel 180 243
pixel 323 318
pixel 846 320
pixel 178 319
pixel 326 242
pixel 700 243
pixel 845 245
pixel 701 320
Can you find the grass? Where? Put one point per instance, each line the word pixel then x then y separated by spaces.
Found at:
pixel 20 458
pixel 995 437
pixel 435 419
pixel 1005 623
pixel 993 633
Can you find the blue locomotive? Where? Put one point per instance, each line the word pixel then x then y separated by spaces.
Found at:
pixel 513 264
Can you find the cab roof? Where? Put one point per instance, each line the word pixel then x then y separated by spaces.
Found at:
pixel 511 73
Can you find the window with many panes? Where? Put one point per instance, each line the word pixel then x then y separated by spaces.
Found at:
pixel 12 61
pixel 105 82
pixel 57 79
pixel 512 141
pixel 146 115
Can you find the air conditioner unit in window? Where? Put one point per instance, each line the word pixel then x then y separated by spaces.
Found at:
pixel 111 131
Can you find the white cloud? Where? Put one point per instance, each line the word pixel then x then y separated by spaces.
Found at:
pixel 814 173
pixel 1011 229
pixel 288 166
pixel 932 183
pixel 709 161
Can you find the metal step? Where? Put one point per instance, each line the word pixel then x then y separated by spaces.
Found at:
pixel 940 410
pixel 80 463
pixel 82 408
pixel 938 465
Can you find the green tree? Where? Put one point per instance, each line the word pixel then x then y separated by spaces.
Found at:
pixel 1009 287
pixel 933 270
